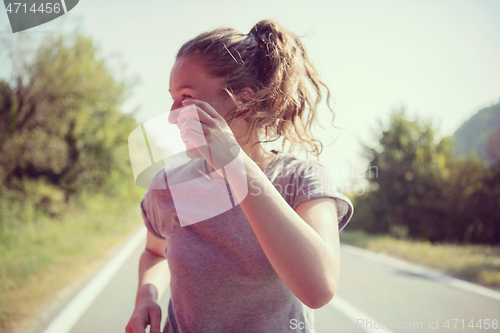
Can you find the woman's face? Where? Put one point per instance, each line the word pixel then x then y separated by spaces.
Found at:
pixel 189 80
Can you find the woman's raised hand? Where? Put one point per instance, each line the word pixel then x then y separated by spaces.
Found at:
pixel 208 132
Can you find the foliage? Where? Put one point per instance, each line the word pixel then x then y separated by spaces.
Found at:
pixel 474 134
pixel 424 191
pixel 67 193
pixel 493 147
pixel 61 130
pixel 38 261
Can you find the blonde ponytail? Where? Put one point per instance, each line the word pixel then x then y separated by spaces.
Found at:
pixel 275 64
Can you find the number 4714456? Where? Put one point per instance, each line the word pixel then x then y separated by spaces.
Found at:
pixel 47 7
pixel 481 324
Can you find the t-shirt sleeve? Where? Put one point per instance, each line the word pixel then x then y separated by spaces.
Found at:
pixel 152 228
pixel 314 182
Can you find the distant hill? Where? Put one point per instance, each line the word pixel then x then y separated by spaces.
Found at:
pixel 473 135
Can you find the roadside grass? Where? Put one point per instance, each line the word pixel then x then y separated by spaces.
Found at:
pixel 475 263
pixel 42 261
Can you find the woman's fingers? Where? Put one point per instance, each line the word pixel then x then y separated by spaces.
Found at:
pixel 193 125
pixel 194 112
pixel 135 327
pixel 204 107
pixel 188 113
pixel 155 321
pixel 194 137
pixel 140 321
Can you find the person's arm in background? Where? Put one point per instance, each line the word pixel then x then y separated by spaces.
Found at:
pixel 154 278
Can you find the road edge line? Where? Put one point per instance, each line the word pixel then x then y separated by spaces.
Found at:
pixel 431 274
pixel 355 314
pixel 68 317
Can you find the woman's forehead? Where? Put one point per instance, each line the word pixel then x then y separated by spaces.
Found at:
pixel 191 74
pixel 184 72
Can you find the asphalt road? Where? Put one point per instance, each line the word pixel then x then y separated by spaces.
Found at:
pixel 373 296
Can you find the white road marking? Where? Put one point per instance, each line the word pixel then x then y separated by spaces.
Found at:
pixel 416 269
pixel 357 316
pixel 78 305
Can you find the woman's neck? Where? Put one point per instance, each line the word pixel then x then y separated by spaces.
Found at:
pixel 252 149
pixel 257 154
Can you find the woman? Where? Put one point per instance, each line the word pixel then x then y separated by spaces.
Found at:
pixel 263 262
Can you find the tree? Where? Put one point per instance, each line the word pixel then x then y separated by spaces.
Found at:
pixel 410 163
pixel 62 132
pixel 493 147
pixel 426 190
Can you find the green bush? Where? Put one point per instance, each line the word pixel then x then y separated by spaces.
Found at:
pixel 62 135
pixel 424 191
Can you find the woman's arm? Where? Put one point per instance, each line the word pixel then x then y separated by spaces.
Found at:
pixel 154 278
pixel 303 249
pixel 301 245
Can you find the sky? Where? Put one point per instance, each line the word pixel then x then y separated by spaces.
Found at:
pixel 440 59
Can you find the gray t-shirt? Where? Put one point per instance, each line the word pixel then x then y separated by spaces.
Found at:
pixel 221 280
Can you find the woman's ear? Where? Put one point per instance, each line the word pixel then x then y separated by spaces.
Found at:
pixel 245 94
